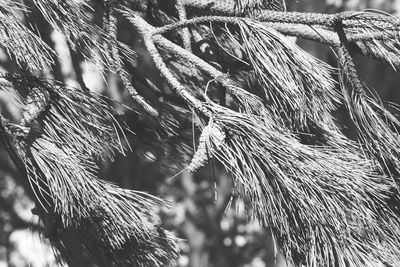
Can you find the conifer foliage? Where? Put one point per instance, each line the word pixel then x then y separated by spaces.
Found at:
pixel 264 106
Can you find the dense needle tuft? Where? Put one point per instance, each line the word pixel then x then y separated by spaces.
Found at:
pixel 19 42
pixel 295 85
pixel 69 132
pixel 308 195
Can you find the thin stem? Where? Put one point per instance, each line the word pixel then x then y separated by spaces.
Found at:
pixel 11 150
pixel 185 32
pixel 120 69
pixel 77 68
pixel 346 60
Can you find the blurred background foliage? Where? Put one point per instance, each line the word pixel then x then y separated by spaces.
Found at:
pixel 212 234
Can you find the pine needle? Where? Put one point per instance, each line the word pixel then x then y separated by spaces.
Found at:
pixel 376 33
pixel 376 126
pixel 83 119
pixel 72 18
pixel 325 207
pixel 19 42
pixel 296 86
pixel 114 226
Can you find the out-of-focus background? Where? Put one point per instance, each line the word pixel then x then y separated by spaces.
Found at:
pixel 212 234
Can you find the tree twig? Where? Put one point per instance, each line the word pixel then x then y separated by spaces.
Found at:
pixel 185 32
pixel 120 69
pixel 77 68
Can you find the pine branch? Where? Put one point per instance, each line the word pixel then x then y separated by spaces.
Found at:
pixel 373 35
pixel 328 200
pixel 249 101
pixel 185 33
pixel 120 69
pixel 144 28
pixel 298 82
